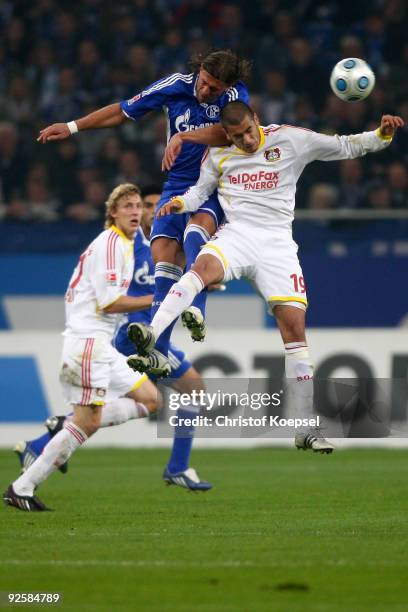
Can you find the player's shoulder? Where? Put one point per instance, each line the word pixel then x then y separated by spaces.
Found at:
pixel 287 131
pixel 174 83
pixel 238 91
pixel 296 129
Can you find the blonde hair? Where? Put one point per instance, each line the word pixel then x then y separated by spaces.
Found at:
pixel 111 203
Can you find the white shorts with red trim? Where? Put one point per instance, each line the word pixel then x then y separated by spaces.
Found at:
pixel 93 372
pixel 266 258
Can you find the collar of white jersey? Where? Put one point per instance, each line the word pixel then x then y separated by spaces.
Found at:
pixel 261 143
pixel 120 233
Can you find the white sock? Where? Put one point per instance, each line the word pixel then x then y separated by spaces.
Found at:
pixel 121 410
pixel 58 450
pixel 299 372
pixel 176 301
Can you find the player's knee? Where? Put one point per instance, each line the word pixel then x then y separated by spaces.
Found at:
pixel 208 269
pixel 165 250
pixel 204 220
pixel 89 422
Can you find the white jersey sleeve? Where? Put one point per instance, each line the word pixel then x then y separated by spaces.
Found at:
pixel 206 184
pixel 102 275
pixel 107 270
pixel 313 146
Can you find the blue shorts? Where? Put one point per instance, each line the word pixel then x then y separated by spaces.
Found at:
pixel 173 226
pixel 177 358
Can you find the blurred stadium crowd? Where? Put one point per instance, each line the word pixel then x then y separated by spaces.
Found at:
pixel 61 59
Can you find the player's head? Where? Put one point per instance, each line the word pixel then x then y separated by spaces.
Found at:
pixel 150 195
pixel 216 72
pixel 124 209
pixel 242 125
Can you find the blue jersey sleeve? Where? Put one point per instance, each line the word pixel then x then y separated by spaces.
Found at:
pixel 236 92
pixel 155 96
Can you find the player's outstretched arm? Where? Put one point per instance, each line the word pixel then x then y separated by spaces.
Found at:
pixel 213 136
pixel 108 116
pixel 314 146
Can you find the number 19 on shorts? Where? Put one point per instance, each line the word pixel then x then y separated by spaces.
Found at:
pixel 298 283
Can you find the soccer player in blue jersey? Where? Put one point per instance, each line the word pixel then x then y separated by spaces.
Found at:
pixel 190 101
pixel 184 376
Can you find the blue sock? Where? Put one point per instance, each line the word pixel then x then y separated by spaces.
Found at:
pixel 166 274
pixel 38 444
pixel 182 443
pixel 194 238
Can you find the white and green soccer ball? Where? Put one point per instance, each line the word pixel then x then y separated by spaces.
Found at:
pixel 352 79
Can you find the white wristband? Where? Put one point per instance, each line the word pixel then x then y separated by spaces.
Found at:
pixel 72 126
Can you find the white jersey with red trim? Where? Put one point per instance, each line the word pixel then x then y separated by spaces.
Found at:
pixel 103 274
pixel 259 189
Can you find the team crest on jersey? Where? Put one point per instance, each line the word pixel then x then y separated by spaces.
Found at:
pixel 272 155
pixel 212 111
pixel 134 99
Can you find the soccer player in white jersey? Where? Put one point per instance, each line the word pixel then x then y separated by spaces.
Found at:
pixel 96 380
pixel 256 177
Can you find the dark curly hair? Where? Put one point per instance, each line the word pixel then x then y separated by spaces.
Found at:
pixel 225 66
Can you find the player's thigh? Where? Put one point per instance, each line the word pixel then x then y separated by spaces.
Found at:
pixel 190 381
pixel 148 394
pixel 168 250
pixel 121 341
pixel 85 372
pixel 210 215
pixel 278 276
pixel 167 233
pixel 123 379
pixel 234 246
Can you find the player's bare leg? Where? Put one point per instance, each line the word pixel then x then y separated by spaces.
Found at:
pixel 207 270
pixel 299 373
pixel 84 422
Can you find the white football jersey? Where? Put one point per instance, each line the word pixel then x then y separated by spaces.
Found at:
pixel 102 275
pixel 259 189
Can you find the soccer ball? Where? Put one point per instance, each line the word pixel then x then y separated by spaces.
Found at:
pixel 352 79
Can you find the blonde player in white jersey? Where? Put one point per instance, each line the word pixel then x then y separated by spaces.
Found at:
pixel 96 380
pixel 256 178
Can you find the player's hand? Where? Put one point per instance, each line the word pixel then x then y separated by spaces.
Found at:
pixel 389 123
pixel 172 152
pixel 175 205
pixel 56 131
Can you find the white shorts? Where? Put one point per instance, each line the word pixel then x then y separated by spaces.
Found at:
pixel 93 372
pixel 268 260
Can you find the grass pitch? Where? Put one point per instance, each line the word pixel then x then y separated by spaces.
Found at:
pixel 282 531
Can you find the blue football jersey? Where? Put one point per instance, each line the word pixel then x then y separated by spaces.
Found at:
pixel 175 94
pixel 143 276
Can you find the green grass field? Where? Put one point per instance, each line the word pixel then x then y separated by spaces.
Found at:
pixel 282 530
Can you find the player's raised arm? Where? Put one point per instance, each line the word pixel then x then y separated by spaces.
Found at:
pixel 108 116
pixel 314 146
pixel 213 136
